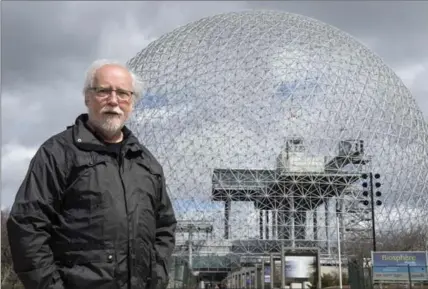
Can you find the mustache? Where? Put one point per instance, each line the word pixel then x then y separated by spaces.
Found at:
pixel 107 109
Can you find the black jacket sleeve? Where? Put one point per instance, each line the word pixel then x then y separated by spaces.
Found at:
pixel 30 223
pixel 165 236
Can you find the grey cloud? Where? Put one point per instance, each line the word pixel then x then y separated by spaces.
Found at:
pixel 15 160
pixel 34 43
pixel 42 39
pixel 30 118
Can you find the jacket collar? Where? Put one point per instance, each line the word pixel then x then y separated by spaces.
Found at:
pixel 86 139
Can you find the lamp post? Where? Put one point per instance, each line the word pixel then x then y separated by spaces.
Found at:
pixel 369 192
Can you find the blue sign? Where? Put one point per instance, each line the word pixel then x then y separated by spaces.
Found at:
pixel 399 266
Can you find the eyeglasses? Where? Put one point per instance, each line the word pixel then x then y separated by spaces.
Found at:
pixel 104 92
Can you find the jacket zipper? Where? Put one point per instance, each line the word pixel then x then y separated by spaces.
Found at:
pixel 120 162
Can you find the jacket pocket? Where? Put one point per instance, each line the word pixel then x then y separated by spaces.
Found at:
pixel 89 270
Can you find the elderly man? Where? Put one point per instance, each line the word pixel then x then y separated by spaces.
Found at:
pixel 93 211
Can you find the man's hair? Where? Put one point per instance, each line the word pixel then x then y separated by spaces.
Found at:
pixel 137 85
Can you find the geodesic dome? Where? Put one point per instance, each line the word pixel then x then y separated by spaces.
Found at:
pixel 264 123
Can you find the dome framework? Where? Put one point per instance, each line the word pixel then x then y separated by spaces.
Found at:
pixel 264 122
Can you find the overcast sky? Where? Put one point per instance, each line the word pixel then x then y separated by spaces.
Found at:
pixel 47 46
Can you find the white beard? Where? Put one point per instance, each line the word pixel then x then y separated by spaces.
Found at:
pixel 108 125
pixel 111 125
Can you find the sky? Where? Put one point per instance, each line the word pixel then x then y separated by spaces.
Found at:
pixel 47 46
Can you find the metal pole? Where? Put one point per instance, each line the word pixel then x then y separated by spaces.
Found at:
pixel 410 276
pixel 318 269
pixel 256 279
pixel 272 268
pixel 190 249
pixel 262 277
pixel 282 265
pixel 373 212
pixel 339 252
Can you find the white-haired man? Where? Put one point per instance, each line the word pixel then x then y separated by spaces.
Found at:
pixel 93 211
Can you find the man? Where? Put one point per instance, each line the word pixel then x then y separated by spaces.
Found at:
pixel 93 211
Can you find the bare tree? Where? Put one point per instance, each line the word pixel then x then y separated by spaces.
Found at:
pixel 358 246
pixel 6 264
pixel 9 280
pixel 411 237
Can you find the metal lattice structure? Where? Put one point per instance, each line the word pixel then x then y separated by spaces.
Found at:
pixel 264 122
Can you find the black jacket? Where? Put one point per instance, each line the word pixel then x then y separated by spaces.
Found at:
pixel 85 217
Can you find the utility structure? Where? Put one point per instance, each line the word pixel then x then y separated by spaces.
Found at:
pixel 369 194
pixel 287 195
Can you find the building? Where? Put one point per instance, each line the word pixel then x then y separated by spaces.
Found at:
pixel 264 122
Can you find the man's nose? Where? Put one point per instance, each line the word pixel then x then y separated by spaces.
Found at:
pixel 113 98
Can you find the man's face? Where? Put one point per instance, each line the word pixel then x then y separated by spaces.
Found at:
pixel 110 100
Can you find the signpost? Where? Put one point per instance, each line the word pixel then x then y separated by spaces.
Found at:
pixel 399 266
